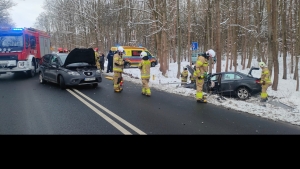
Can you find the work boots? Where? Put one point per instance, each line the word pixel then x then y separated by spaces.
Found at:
pixel 202 101
pixel 118 90
pixel 263 100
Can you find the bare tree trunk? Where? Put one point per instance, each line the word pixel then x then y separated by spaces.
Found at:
pixel 208 33
pixel 243 52
pixel 270 37
pixel 297 50
pixel 228 50
pixel 275 43
pixel 218 37
pixel 235 33
pixel 283 20
pixel 189 32
pixel 164 38
pixel 296 75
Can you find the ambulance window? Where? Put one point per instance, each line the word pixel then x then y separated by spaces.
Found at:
pixel 149 55
pixel 136 53
pixel 26 41
pixel 32 42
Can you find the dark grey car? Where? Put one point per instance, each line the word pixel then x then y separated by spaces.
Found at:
pixel 235 84
pixel 70 69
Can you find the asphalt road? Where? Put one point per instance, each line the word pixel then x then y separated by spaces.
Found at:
pixel 27 107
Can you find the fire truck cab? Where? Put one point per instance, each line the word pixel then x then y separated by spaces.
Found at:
pixel 21 49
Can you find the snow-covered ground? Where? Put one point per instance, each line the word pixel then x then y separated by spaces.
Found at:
pixel 285 95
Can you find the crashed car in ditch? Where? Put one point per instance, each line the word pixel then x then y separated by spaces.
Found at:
pixel 70 69
pixel 232 84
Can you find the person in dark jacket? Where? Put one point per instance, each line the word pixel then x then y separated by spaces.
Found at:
pixel 101 61
pixel 110 58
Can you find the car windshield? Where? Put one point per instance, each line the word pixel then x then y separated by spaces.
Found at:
pixel 63 57
pixel 11 41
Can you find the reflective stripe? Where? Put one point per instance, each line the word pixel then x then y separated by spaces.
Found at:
pixel 148 91
pixel 199 63
pixel 145 76
pixel 263 95
pixel 199 95
pixel 116 69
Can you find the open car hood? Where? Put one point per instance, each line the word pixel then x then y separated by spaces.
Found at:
pixel 79 55
pixel 250 71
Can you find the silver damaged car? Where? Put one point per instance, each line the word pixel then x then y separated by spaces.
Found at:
pixel 70 69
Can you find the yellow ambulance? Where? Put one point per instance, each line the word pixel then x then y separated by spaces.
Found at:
pixel 132 57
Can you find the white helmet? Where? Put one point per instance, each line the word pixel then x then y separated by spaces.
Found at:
pixel 262 64
pixel 120 49
pixel 211 52
pixel 143 54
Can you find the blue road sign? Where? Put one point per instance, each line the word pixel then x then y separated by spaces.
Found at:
pixel 194 45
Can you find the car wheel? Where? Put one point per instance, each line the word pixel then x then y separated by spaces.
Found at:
pixel 95 85
pixel 62 83
pixel 243 93
pixel 41 78
pixel 153 64
pixel 127 65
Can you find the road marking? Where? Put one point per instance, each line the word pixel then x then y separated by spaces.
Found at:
pixel 112 122
pixel 112 114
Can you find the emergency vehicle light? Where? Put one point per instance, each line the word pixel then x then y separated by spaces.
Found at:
pixel 17 29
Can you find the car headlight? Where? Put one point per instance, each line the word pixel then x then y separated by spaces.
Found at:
pixel 98 72
pixel 74 73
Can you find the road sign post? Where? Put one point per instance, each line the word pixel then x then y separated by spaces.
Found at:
pixel 194 46
pixel 194 49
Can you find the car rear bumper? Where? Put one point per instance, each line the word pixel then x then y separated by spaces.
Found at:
pixel 256 90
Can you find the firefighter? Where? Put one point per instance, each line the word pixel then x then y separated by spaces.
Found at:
pixel 265 81
pixel 97 58
pixel 200 73
pixel 145 66
pixel 118 69
pixel 184 76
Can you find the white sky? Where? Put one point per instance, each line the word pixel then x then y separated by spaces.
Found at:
pixel 286 93
pixel 24 14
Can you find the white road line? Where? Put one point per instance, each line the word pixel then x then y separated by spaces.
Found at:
pixel 116 125
pixel 112 114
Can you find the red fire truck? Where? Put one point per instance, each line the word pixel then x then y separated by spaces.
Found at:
pixel 21 49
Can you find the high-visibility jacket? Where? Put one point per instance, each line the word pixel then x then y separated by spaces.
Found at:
pixel 184 76
pixel 97 58
pixel 118 63
pixel 145 66
pixel 201 67
pixel 265 75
